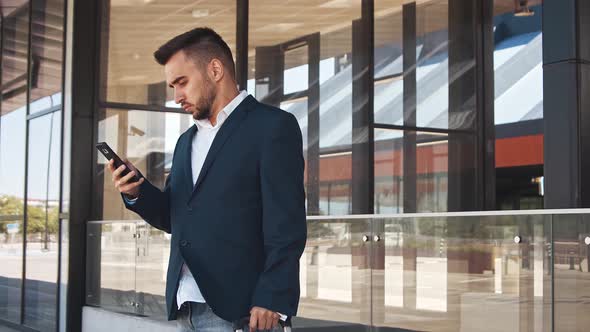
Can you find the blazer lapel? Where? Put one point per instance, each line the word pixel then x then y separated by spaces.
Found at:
pixel 227 129
pixel 189 160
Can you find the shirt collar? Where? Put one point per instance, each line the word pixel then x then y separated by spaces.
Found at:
pixel 225 112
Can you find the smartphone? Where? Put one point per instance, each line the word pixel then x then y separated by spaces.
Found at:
pixel 106 151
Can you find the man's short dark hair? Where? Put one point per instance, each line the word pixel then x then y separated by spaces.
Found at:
pixel 202 45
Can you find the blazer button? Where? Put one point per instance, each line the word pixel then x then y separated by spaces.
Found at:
pixel 183 243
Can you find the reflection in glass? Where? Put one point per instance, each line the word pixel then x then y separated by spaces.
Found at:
pixel 298 107
pixel 137 28
pixel 42 221
pixel 518 60
pixel 147 139
pixel 15 39
pixel 429 273
pixel 431 266
pixel 12 190
pixel 129 275
pixel 571 264
pixel 310 56
pixel 15 36
pixel 388 90
pixel 389 171
pixel 296 70
pixel 153 251
pixel 335 196
pixel 518 106
pixel 463 274
pixel 388 100
pixel 432 66
pixel 111 283
pixel 433 109
pixel 425 179
pixel 432 168
pixel 334 275
pixel 47 54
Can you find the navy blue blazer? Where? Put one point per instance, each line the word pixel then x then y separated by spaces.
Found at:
pixel 242 228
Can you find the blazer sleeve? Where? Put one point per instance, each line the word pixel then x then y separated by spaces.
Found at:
pixel 153 204
pixel 283 218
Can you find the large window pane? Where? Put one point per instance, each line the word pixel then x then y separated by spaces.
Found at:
pixel 389 85
pixel 416 91
pixel 47 52
pixel 432 66
pixel 147 139
pixel 15 36
pixel 43 222
pixel 303 62
pixel 12 189
pixel 389 171
pixel 518 104
pixel 518 61
pixel 135 29
pixel 425 78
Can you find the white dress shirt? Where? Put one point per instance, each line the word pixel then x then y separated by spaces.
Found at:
pixel 188 290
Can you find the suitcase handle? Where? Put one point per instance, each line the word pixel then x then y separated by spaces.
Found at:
pixel 238 325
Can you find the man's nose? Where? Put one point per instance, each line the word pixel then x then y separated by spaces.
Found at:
pixel 178 97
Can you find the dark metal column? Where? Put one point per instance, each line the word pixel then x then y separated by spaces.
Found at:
pixel 83 96
pixel 566 82
pixel 242 43
pixel 313 125
pixel 409 106
pixel 363 178
pixel 463 192
pixel 465 148
pixel 409 251
pixel 485 105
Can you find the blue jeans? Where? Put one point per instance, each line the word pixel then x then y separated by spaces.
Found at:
pixel 198 317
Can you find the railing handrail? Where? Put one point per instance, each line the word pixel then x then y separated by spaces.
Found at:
pixel 456 214
pixel 417 215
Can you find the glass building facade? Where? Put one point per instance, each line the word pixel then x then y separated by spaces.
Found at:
pixel 425 106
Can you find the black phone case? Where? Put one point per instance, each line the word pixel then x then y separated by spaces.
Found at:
pixel 108 153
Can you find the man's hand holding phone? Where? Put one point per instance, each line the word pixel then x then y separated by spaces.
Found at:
pixel 124 183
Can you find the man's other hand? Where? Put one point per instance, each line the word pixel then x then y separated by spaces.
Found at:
pixel 122 184
pixel 263 319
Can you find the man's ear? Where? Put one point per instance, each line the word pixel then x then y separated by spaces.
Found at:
pixel 216 70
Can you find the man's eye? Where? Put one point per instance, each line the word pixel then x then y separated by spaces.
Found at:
pixel 183 83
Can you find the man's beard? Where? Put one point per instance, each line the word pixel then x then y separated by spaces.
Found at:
pixel 203 106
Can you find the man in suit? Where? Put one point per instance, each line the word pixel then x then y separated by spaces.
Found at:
pixel 234 201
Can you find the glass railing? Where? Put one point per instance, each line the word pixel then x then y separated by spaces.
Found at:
pixel 507 271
